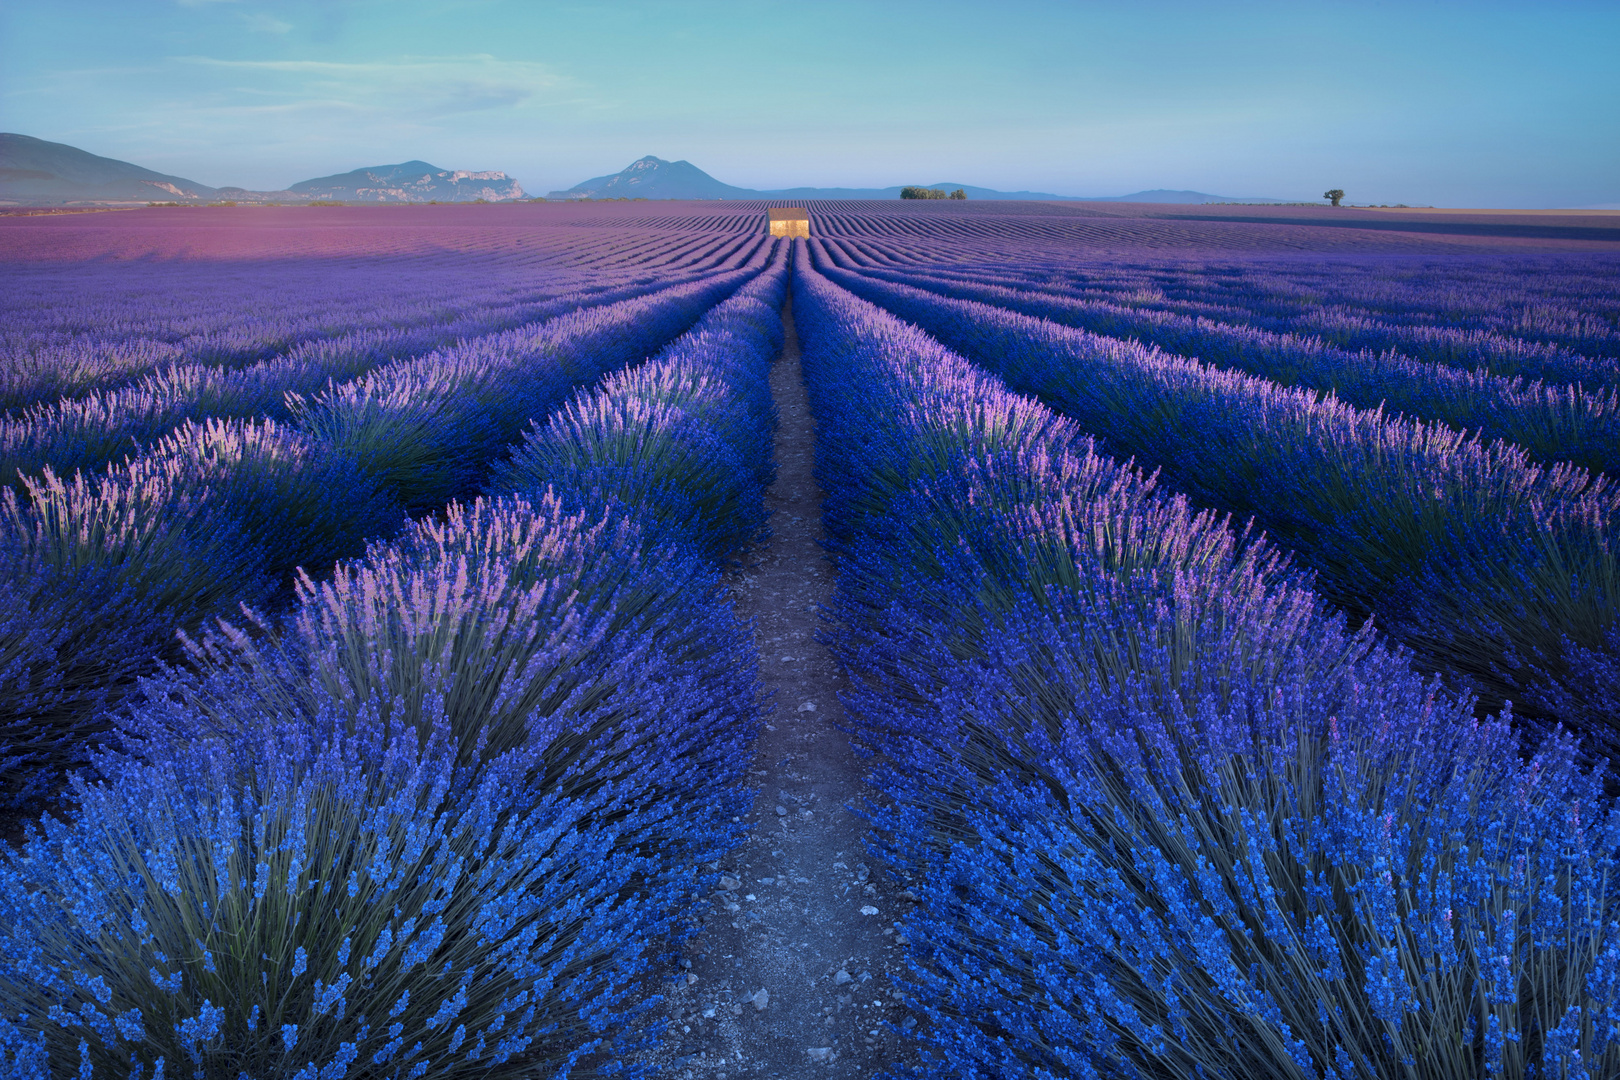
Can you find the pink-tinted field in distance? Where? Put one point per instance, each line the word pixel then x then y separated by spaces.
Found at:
pixel 553 230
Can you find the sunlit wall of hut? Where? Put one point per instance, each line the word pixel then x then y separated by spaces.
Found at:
pixel 789 221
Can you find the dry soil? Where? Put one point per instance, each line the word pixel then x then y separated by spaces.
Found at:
pixel 790 975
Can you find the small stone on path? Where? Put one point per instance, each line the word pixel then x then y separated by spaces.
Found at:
pixel 761 998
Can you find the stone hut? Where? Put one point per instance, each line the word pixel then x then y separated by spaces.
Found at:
pixel 789 221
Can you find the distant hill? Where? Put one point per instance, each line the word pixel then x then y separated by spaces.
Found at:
pixel 410 181
pixel 654 178
pixel 34 171
pixel 1160 195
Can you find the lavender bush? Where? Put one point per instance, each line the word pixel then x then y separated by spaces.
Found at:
pixel 598 708
pixel 1553 422
pixel 1497 571
pixel 444 817
pixel 102 571
pixel 107 570
pixel 296 502
pixel 686 437
pixel 428 428
pixel 70 329
pixel 110 422
pixel 1555 318
pixel 326 896
pixel 223 513
pixel 1164 813
pixel 72 641
pixel 1136 300
pixel 524 617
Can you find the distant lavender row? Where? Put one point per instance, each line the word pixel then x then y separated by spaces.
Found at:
pixel 1132 303
pixel 1569 302
pixel 1164 815
pixel 686 438
pixel 239 314
pixel 47 366
pixel 511 739
pixel 1503 574
pixel 1552 422
pixel 109 568
pixel 109 348
pixel 1566 303
pixel 276 300
pixel 101 428
pixel 101 328
pixel 430 428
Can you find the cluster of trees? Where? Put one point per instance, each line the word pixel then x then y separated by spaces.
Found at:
pixel 930 193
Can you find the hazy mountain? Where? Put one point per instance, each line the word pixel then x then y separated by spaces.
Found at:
pixel 1160 195
pixel 34 171
pixel 654 178
pixel 410 181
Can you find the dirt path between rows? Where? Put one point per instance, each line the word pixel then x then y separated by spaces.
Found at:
pixel 790 974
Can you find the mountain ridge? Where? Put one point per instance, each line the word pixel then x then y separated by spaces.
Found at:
pixel 410 181
pixel 651 177
pixel 37 172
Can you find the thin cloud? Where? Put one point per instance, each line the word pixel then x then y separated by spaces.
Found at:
pixel 261 23
pixel 421 87
pixel 405 64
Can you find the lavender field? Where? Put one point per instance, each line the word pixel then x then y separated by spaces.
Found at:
pixel 1225 602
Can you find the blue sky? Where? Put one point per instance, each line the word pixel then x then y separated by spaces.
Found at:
pixel 1454 104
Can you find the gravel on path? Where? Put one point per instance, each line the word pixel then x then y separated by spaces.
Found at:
pixel 790 975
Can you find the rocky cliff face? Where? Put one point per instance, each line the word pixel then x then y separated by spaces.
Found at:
pixel 410 181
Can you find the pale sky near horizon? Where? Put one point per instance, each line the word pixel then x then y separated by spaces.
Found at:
pixel 1452 104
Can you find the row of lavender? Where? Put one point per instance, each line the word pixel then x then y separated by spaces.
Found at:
pixel 1165 813
pixel 66 333
pixel 1499 572
pixel 1516 318
pixel 1344 328
pixel 1518 312
pixel 104 426
pixel 449 815
pixel 107 568
pixel 1570 412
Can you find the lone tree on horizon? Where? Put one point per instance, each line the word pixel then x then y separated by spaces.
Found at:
pixel 1335 194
